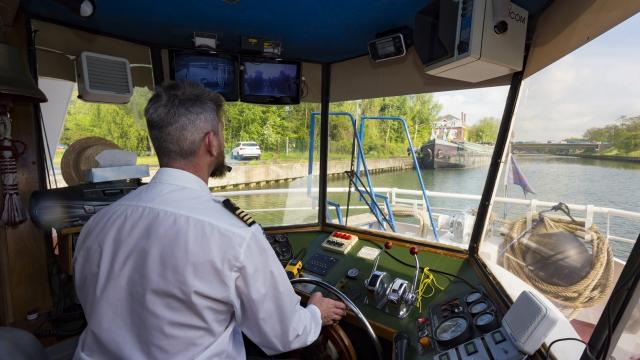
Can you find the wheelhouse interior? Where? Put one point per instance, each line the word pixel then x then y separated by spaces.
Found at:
pixel 331 169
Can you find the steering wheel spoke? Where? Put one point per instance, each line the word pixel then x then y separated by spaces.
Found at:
pixel 350 305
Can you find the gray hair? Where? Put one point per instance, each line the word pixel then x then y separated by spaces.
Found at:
pixel 178 115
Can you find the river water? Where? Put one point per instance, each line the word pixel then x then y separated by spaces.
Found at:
pixel 601 183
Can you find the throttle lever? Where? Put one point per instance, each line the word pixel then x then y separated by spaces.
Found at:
pixel 414 251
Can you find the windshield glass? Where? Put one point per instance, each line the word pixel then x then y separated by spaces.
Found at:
pixel 269 176
pixel 452 135
pixel 566 211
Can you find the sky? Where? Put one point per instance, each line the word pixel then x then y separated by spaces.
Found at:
pixel 591 87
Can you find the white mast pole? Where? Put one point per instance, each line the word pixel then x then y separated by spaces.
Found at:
pixel 506 178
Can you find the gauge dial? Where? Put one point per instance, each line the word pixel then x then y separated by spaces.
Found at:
pixel 484 319
pixel 478 307
pixel 486 322
pixel 452 329
pixel 472 297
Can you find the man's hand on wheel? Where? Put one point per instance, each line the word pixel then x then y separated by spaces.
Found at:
pixel 331 311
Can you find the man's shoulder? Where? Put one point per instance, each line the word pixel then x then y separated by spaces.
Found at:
pixel 236 211
pixel 215 211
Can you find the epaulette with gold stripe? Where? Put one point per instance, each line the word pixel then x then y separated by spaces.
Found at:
pixel 235 210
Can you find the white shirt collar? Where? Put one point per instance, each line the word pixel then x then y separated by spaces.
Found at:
pixel 179 177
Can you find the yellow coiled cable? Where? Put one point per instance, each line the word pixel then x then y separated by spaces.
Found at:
pixel 427 281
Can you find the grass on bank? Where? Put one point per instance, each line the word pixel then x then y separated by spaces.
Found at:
pixel 616 152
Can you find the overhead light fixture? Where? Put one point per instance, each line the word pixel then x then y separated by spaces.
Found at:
pixel 84 8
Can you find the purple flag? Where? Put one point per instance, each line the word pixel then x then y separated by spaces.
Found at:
pixel 516 176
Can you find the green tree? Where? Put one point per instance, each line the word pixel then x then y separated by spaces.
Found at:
pixel 484 131
pixel 625 137
pixel 122 124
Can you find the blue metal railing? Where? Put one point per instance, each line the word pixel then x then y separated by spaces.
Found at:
pixel 360 159
pixel 363 119
pixel 338 211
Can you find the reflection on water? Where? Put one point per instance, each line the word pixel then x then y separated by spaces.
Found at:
pixel 601 183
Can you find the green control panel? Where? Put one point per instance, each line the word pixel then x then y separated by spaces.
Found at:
pixel 349 272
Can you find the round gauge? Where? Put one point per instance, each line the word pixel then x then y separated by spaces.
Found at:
pixel 472 297
pixel 478 307
pixel 484 319
pixel 452 331
pixel 486 322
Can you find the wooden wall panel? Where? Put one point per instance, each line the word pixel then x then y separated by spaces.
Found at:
pixel 23 262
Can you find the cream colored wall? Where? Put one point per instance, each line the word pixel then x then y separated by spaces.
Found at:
pixel 62 41
pixel 360 78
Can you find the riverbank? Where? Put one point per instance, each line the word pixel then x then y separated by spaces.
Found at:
pixel 632 159
pixel 262 174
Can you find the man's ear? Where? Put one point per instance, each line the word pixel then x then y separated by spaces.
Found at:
pixel 211 144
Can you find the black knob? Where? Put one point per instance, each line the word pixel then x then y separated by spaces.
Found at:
pixel 501 27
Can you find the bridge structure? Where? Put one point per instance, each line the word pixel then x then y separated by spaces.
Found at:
pixel 558 148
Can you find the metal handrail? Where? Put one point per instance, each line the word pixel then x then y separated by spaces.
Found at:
pixel 360 157
pixel 423 188
pixel 609 212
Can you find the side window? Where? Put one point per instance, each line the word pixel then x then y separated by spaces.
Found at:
pixel 122 126
pixel 566 212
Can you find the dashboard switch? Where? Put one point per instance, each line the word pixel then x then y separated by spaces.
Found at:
pixel 424 341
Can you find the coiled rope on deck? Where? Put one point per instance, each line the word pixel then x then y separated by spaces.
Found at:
pixel 589 291
pixel 422 217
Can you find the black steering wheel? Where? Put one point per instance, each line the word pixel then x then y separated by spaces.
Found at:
pixel 349 304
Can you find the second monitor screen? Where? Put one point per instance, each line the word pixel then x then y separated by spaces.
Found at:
pixel 277 80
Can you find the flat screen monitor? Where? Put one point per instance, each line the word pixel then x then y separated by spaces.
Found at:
pixel 216 72
pixel 268 81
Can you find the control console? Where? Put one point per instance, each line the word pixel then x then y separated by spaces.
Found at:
pixel 396 297
pixel 458 324
pixel 467 328
pixel 339 242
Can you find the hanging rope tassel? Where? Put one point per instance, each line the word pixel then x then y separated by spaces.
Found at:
pixel 12 211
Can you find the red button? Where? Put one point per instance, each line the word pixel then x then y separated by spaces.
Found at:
pixel 422 320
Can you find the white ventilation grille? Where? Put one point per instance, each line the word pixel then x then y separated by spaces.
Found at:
pixel 103 78
pixel 528 322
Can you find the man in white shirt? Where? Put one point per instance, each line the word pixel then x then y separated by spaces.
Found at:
pixel 168 272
